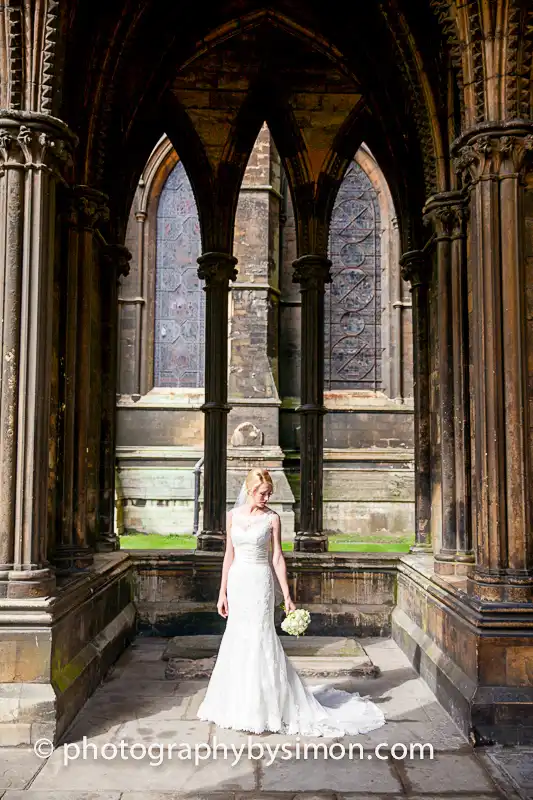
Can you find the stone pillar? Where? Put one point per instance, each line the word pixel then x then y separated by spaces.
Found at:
pixel 447 213
pixel 217 270
pixel 493 161
pixel 414 269
pixel 33 151
pixel 312 272
pixel 87 207
pixel 116 260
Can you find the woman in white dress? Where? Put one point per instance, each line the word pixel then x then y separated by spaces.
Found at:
pixel 254 686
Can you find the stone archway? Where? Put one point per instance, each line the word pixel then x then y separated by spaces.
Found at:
pixel 436 94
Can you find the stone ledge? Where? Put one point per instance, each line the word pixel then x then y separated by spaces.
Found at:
pixel 49 610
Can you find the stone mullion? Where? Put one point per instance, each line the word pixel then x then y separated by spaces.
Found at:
pixel 139 382
pixel 217 269
pixel 414 270
pixel 32 150
pixel 312 272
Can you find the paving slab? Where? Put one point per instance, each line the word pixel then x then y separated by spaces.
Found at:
pixel 143 774
pixel 17 767
pixel 517 765
pixel 345 775
pixel 450 772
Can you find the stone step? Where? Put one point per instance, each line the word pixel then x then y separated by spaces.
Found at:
pixel 307 666
pixel 193 657
pixel 199 647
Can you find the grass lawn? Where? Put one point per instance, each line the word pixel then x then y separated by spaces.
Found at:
pixel 339 543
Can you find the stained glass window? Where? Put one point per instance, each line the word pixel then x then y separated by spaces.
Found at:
pixel 179 295
pixel 353 299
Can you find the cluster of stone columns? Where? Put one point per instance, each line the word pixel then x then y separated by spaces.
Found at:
pixel 33 152
pixel 482 288
pixel 312 272
pixel 52 355
pixel 494 162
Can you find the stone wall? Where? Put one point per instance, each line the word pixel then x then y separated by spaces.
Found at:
pixel 347 595
pixel 368 435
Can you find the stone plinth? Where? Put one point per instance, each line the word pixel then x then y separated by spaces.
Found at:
pixel 55 651
pixel 476 657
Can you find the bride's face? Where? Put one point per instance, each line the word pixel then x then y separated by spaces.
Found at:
pixel 261 495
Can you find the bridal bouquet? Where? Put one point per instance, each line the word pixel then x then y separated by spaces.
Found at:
pixel 296 622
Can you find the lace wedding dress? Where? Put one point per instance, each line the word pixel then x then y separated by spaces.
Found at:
pixel 254 686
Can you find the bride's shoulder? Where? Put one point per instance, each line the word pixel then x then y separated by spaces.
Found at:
pixel 273 515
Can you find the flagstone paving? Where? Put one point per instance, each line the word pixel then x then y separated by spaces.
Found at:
pixel 137 713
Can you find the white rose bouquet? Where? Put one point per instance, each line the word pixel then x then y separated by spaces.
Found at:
pixel 296 622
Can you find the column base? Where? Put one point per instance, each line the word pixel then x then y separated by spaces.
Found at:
pixel 310 542
pixel 421 549
pixel 453 563
pixel 504 587
pixel 70 558
pixel 211 541
pixel 22 583
pixel 108 544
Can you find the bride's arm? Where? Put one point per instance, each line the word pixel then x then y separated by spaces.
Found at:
pixel 278 562
pixel 222 604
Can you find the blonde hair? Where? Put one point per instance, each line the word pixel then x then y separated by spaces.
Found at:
pixel 256 477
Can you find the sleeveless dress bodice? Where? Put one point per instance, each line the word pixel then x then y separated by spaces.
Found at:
pixel 251 536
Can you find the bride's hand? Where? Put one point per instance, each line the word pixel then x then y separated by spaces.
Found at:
pixel 289 606
pixel 222 606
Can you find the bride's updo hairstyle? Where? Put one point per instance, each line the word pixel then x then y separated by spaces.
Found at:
pixel 256 477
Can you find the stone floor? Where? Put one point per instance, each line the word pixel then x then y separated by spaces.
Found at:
pixel 136 705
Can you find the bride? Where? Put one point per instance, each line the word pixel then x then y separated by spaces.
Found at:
pixel 254 686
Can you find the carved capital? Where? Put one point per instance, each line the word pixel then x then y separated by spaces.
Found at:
pixel 447 212
pixel 413 268
pixel 490 152
pixel 312 272
pixel 35 141
pixel 90 206
pixel 117 256
pixel 217 268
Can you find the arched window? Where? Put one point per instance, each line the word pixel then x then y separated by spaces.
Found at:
pixel 179 295
pixel 353 299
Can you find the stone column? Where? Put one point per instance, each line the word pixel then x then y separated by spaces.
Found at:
pixel 33 151
pixel 447 212
pixel 492 161
pixel 217 270
pixel 116 260
pixel 312 272
pixel 414 269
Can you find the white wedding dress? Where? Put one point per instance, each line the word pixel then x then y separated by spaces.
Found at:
pixel 254 686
